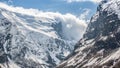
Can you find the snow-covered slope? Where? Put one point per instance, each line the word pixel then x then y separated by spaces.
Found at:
pixel 100 46
pixel 30 38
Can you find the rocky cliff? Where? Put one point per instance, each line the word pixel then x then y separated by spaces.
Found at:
pixel 100 46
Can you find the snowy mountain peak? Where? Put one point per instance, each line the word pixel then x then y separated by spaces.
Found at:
pixel 30 38
pixel 71 25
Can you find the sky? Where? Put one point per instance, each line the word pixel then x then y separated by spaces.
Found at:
pixel 75 7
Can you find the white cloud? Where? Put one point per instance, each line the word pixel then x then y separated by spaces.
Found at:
pixel 73 27
pixel 94 1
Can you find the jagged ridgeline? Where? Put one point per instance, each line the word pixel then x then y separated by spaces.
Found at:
pixel 30 38
pixel 100 46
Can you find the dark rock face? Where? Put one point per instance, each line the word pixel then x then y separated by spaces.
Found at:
pixel 4 36
pixel 100 46
pixel 59 28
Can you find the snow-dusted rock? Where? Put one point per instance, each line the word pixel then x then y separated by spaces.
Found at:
pixel 30 38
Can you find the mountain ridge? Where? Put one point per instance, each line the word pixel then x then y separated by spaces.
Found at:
pixel 100 45
pixel 30 38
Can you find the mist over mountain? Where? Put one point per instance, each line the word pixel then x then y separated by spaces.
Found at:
pixel 30 38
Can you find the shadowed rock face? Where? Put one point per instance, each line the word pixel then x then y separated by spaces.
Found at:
pixel 4 36
pixel 100 46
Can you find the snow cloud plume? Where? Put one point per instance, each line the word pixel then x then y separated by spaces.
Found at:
pixel 73 27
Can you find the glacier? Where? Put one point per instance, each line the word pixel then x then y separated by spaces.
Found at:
pixel 30 38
